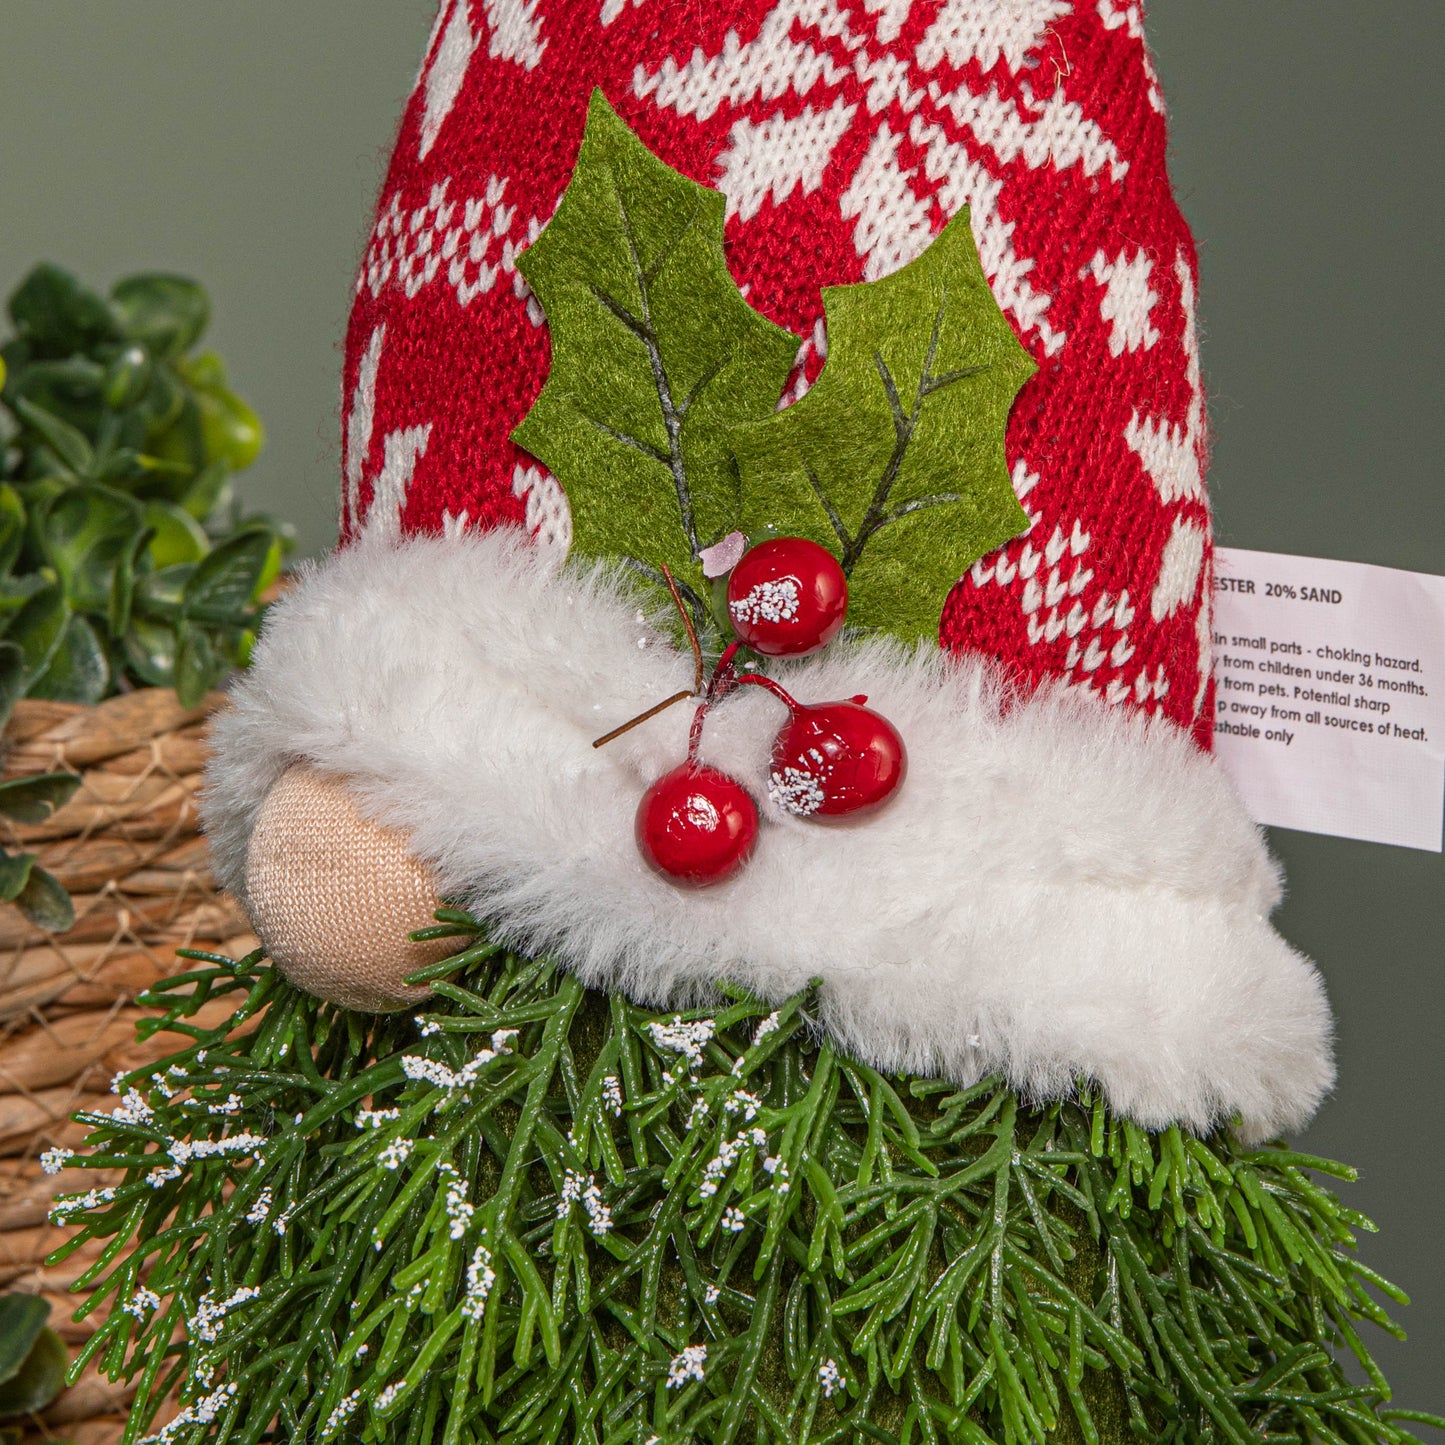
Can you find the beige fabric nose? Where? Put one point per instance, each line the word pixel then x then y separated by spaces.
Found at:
pixel 333 896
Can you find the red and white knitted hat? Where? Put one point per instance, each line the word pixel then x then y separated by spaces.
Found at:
pixel 1066 888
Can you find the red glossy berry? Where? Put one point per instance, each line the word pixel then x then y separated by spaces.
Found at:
pixel 836 760
pixel 787 597
pixel 696 826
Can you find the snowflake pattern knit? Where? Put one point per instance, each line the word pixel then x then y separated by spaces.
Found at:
pixel 845 133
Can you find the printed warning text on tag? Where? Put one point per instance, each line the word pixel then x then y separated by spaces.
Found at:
pixel 1330 695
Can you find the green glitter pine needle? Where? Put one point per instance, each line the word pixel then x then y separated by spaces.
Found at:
pixel 537 1215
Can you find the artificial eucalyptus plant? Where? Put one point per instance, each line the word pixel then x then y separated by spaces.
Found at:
pixel 124 561
pixel 32 1359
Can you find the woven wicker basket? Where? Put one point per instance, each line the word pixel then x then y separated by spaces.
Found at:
pixel 128 849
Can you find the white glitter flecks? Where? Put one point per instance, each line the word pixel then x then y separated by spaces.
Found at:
pixel 744 1103
pixel 583 1189
pixel 459 1209
pixel 184 1151
pixel 375 1118
pixel 433 1071
pixel 205 1324
pixel 775 1166
pixel 691 1364
pixel 72 1204
pixel 774 601
pixel 200 1412
pixel 344 1410
pixel 396 1153
pixel 480 1279
pixel 687 1039
pixel 428 1071
pixel 132 1109
pixel 796 790
pixel 144 1302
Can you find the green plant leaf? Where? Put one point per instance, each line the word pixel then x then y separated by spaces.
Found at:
pixel 12 678
pixel 22 1317
pixel 78 670
pixel 150 651
pixel 178 536
pixel 655 353
pixel 167 313
pixel 12 528
pixel 58 314
pixel 208 492
pixel 222 586
pixel 14 874
pixel 34 799
pixel 122 587
pixel 69 388
pixel 39 628
pixel 160 593
pixel 40 1378
pixel 85 533
pixel 127 377
pixel 162 405
pixel 230 431
pixel 69 444
pixel 198 665
pixel 895 458
pixel 15 592
pixel 45 902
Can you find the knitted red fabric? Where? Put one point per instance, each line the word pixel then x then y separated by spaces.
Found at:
pixel 845 134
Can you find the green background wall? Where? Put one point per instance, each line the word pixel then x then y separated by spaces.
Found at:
pixel 243 143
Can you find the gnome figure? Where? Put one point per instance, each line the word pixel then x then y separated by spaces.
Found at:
pixel 1065 886
pixel 775 564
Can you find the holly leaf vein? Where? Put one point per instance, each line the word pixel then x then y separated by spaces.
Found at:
pixel 656 355
pixel 895 458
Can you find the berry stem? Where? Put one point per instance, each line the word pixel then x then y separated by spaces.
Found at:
pixel 721 685
pixel 724 678
pixel 642 717
pixel 682 612
pixel 723 673
pixel 677 697
pixel 757 679
pixel 694 736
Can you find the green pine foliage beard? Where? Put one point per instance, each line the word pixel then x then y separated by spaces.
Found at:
pixel 541 1214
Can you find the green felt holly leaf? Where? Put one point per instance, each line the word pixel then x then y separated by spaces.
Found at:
pixel 656 356
pixel 895 458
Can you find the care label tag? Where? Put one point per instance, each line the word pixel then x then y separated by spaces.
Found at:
pixel 1330 711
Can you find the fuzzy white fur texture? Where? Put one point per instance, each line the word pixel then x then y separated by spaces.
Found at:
pixel 1060 890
